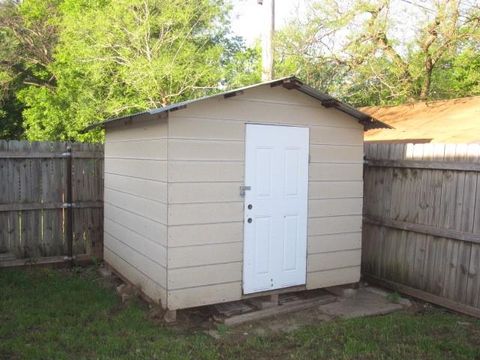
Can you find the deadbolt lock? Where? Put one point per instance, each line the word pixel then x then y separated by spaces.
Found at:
pixel 244 188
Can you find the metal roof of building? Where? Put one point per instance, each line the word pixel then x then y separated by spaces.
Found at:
pixel 368 121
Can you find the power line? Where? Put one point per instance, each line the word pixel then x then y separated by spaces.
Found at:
pixel 431 11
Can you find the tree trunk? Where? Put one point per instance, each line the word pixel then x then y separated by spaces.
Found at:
pixel 425 91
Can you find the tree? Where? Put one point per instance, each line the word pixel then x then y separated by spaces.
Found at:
pixel 28 35
pixel 118 57
pixel 367 57
pixel 243 65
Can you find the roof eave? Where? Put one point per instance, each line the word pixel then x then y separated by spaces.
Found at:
pixel 290 83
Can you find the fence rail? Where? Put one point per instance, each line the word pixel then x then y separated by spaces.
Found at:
pixel 35 206
pixel 421 232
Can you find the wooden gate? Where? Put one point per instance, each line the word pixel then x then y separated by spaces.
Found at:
pixel 34 201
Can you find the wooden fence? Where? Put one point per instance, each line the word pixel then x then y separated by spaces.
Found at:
pixel 38 182
pixel 421 233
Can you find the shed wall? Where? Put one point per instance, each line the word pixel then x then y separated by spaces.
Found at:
pixel 206 146
pixel 135 218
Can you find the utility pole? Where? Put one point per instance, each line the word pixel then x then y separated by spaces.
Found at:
pixel 267 38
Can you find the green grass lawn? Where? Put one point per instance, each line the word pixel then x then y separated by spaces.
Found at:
pixel 50 314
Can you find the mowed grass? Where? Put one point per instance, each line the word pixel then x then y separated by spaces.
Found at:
pixel 50 314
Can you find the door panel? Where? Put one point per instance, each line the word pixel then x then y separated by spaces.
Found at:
pixel 276 169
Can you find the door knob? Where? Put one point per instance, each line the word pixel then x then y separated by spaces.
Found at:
pixel 250 206
pixel 249 220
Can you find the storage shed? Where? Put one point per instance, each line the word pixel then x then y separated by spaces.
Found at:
pixel 245 192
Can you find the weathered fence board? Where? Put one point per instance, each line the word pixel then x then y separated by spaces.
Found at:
pixel 33 185
pixel 422 219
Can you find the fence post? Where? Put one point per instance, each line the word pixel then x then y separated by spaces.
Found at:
pixel 69 204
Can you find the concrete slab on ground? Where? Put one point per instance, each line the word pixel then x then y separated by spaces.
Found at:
pixel 363 303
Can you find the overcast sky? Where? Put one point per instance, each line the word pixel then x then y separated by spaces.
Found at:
pixel 247 16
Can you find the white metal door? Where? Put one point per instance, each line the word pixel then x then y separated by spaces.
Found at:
pixel 276 170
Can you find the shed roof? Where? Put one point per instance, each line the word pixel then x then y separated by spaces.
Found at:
pixel 368 121
pixel 454 121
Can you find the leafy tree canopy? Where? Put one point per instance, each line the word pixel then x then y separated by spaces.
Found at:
pixel 65 64
pixel 106 58
pixel 372 52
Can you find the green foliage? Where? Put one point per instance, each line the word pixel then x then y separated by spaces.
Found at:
pixel 358 51
pixel 222 329
pixel 118 57
pixel 394 297
pixel 65 64
pixel 243 67
pixel 458 75
pixel 28 33
pixel 108 58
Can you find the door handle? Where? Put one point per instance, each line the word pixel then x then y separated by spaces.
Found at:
pixel 249 220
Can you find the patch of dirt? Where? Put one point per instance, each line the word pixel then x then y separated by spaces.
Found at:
pixel 9 355
pixel 284 323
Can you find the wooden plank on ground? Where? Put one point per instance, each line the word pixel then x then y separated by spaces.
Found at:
pixel 425 296
pixel 279 310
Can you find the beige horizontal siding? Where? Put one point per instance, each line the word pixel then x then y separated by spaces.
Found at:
pixel 321 279
pixel 137 149
pixel 204 275
pixel 150 268
pixel 245 110
pixel 149 287
pixel 203 171
pixel 200 192
pixel 150 209
pixel 334 207
pixel 204 255
pixel 183 214
pixel 190 235
pixel 333 260
pixel 334 224
pixel 142 128
pixel 336 154
pixel 204 295
pixel 148 228
pixel 205 150
pixel 151 249
pixel 135 203
pixel 334 242
pixel 185 193
pixel 335 136
pixel 335 172
pixel 206 129
pixel 144 169
pixel 335 189
pixel 144 188
pixel 277 95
